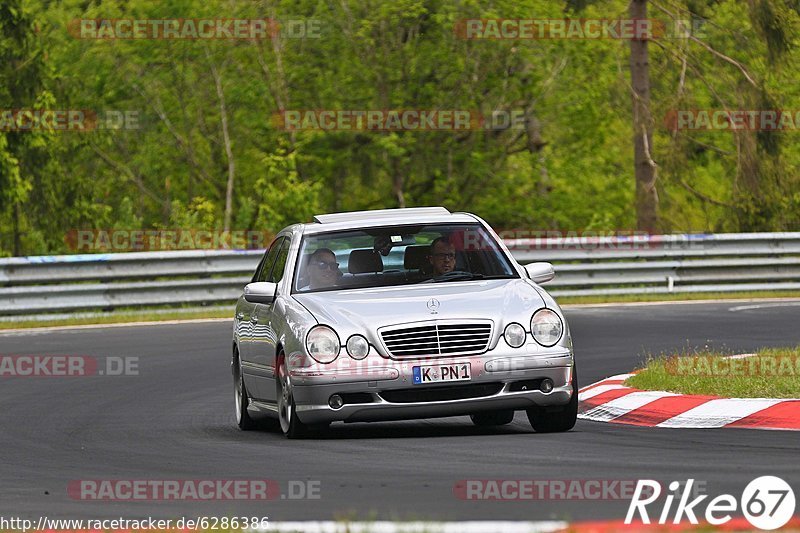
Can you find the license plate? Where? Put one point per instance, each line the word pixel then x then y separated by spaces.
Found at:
pixel 441 373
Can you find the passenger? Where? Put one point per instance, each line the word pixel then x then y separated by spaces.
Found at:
pixel 443 256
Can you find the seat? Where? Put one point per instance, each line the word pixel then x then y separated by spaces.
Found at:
pixel 364 261
pixel 364 269
pixel 416 261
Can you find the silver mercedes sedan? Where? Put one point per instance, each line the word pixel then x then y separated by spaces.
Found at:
pixel 397 314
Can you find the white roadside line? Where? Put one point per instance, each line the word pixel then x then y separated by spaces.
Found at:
pixel 763 306
pixel 741 356
pixel 413 527
pixel 787 300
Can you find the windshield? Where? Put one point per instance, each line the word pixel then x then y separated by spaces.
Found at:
pixel 399 255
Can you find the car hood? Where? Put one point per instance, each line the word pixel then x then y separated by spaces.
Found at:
pixel 369 309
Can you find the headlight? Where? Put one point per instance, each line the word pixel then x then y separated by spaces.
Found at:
pixel 546 327
pixel 322 344
pixel 515 335
pixel 357 347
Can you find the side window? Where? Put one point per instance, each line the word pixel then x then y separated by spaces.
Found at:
pixel 280 262
pixel 269 258
pixel 258 268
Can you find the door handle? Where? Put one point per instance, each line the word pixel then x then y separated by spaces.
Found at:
pixel 254 319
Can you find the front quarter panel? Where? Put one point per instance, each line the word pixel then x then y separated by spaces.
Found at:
pixel 294 322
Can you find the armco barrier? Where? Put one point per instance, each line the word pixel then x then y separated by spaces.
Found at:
pixel 584 266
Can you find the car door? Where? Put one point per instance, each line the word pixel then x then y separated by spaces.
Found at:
pixel 244 310
pixel 268 316
pixel 247 324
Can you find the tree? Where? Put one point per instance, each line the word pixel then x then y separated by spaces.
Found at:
pixel 644 166
pixel 21 77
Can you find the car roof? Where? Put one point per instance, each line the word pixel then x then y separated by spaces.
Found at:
pixel 385 217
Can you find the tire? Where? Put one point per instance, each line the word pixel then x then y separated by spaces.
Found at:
pixel 241 398
pixel 492 418
pixel 291 426
pixel 545 421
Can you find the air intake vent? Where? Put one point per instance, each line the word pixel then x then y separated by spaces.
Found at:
pixel 441 394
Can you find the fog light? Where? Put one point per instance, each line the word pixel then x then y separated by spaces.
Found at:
pixel 546 386
pixel 336 401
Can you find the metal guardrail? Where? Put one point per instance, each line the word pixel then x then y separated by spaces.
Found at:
pixel 584 266
pixel 663 264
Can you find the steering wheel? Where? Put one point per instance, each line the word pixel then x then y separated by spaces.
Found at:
pixel 456 274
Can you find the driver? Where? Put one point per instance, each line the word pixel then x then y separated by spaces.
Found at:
pixel 443 256
pixel 323 270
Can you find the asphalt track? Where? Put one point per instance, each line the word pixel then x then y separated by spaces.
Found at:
pixel 175 421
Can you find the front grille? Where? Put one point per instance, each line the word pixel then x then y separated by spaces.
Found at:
pixel 437 339
pixel 441 394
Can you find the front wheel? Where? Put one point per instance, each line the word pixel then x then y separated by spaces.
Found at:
pixel 241 398
pixel 561 420
pixel 291 426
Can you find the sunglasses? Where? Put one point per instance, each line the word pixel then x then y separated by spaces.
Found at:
pixel 322 265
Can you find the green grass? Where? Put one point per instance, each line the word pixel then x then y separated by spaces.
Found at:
pixel 772 373
pixel 630 298
pixel 121 318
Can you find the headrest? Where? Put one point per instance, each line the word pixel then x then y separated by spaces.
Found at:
pixel 415 257
pixel 362 261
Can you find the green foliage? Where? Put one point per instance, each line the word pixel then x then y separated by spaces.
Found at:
pixel 201 213
pixel 574 172
pixel 283 197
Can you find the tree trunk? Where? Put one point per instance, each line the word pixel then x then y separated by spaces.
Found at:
pixel 535 145
pixel 644 166
pixel 226 139
pixel 17 251
pixel 398 183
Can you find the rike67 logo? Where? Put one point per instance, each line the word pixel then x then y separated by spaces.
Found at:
pixel 767 502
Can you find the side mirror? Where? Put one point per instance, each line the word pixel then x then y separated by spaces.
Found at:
pixel 540 272
pixel 260 292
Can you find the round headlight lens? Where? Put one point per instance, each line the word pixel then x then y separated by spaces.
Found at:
pixel 515 335
pixel 357 347
pixel 322 344
pixel 546 327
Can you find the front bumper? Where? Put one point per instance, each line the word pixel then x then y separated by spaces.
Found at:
pixel 384 389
